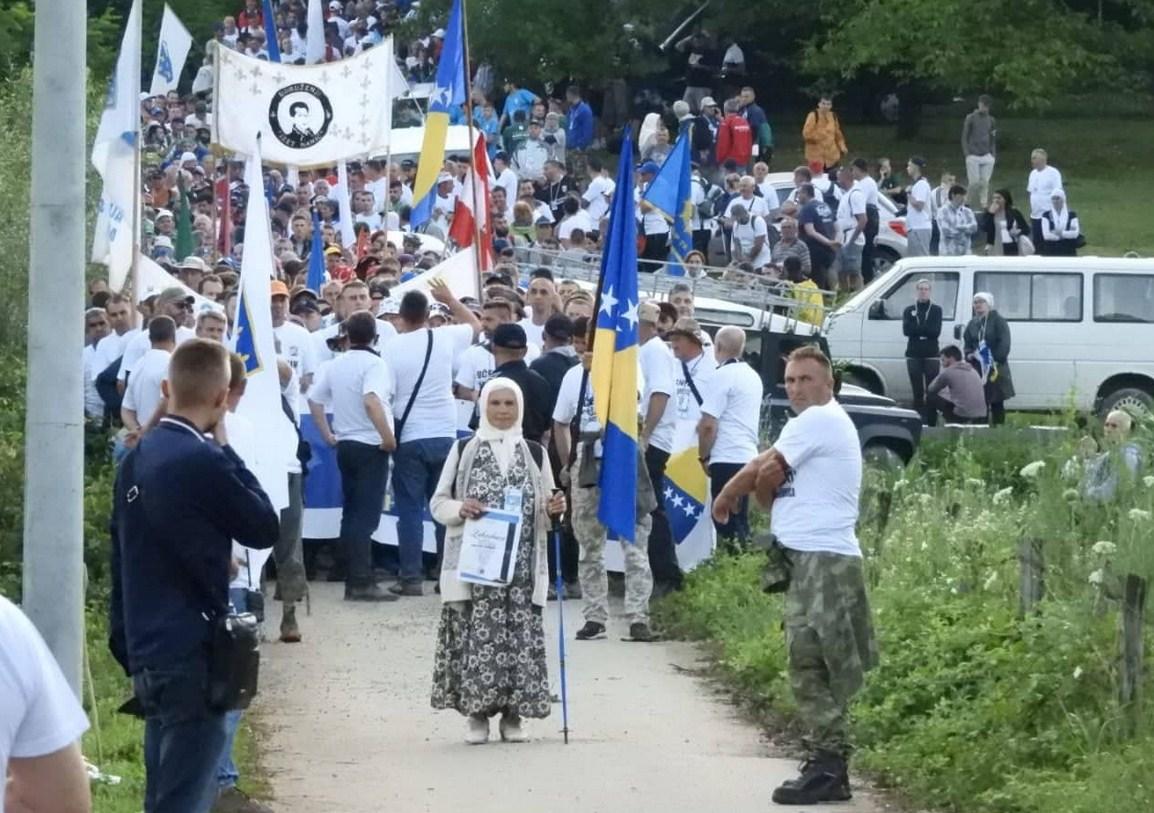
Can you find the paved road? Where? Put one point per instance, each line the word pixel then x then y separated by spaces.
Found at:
pixel 347 728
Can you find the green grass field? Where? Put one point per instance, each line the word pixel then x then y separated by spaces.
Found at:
pixel 1104 162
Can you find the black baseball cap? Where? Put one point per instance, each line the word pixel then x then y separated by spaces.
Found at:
pixel 510 337
pixel 559 327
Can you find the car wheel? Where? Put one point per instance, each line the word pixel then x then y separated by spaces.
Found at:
pixel 881 456
pixel 884 259
pixel 864 380
pixel 1135 400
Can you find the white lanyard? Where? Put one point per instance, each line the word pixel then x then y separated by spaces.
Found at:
pixel 186 428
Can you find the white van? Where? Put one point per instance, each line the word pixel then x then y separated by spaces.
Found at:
pixel 1082 328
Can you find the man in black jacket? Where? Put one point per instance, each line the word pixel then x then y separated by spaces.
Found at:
pixel 182 496
pixel 922 325
pixel 509 345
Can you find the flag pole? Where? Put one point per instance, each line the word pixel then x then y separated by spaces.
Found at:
pixel 478 248
pixel 137 192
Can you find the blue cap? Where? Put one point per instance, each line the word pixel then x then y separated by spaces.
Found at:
pixel 649 168
pixel 500 245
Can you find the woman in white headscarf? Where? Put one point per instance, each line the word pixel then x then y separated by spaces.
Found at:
pixel 490 655
pixel 647 135
pixel 1060 228
pixel 986 343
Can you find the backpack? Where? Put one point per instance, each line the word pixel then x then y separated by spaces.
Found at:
pixel 707 209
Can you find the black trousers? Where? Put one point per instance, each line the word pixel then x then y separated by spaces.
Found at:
pixel 922 371
pixel 364 475
pixel 655 254
pixel 701 240
pixel 662 550
pixel 738 525
pixel 867 252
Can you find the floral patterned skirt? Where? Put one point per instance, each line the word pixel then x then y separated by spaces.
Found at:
pixel 491 655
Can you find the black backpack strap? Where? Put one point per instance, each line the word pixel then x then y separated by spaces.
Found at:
pixel 537 452
pixel 400 424
pixel 575 424
pixel 692 386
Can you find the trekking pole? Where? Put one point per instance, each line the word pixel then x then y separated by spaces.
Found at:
pixel 560 587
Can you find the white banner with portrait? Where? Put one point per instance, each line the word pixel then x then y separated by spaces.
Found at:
pixel 305 115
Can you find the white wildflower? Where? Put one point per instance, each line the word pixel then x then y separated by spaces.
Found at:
pixel 1148 481
pixel 974 482
pixel 1097 577
pixel 1139 514
pixel 899 485
pixel 925 499
pixel 1003 496
pixel 991 581
pixel 1103 548
pixel 1077 672
pixel 1032 470
pixel 1070 494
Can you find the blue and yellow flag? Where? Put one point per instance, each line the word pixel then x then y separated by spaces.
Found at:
pixel 684 493
pixel 449 92
pixel 669 193
pixel 246 346
pixel 316 277
pixel 614 372
pixel 271 41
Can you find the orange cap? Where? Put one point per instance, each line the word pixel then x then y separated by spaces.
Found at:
pixel 278 288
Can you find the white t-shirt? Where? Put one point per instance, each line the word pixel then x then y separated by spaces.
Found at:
pixel 598 196
pixel 507 180
pixel 475 365
pixel 566 407
pixel 849 207
pixel 1041 186
pixel 298 348
pixel 109 349
pixel 733 397
pixel 657 363
pixel 143 392
pixel 915 220
pixel 342 386
pixel 652 221
pixel 321 352
pixel 746 234
pixel 140 344
pixel 39 715
pixel 701 370
pixel 817 507
pixel 767 191
pixel 534 333
pixel 93 404
pixel 869 188
pixel 755 206
pixel 434 413
pixel 580 220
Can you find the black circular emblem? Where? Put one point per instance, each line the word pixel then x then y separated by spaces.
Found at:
pixel 300 115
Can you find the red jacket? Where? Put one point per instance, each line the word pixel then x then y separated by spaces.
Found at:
pixel 734 140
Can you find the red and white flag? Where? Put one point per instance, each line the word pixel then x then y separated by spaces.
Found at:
pixel 468 224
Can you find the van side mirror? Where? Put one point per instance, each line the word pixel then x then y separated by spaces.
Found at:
pixel 958 332
pixel 878 309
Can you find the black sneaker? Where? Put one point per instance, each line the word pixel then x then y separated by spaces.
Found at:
pixel 641 632
pixel 591 631
pixel 407 589
pixel 371 593
pixel 824 778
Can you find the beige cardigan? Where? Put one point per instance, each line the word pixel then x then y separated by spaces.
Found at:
pixel 446 510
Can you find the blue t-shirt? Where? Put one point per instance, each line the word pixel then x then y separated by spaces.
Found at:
pixel 519 99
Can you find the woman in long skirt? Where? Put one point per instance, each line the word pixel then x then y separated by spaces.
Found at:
pixel 491 643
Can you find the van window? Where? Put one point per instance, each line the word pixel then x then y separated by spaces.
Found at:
pixel 720 317
pixel 1124 298
pixel 1033 297
pixel 944 293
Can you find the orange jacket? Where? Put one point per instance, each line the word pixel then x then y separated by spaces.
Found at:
pixel 824 142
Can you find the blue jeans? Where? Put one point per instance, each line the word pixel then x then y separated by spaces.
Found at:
pixel 227 773
pixel 416 469
pixel 364 477
pixel 183 737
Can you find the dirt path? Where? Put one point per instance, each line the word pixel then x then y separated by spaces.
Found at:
pixel 348 727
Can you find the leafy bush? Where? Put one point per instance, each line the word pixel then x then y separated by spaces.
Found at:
pixel 972 707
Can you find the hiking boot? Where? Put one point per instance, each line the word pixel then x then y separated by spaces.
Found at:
pixel 591 631
pixel 407 589
pixel 640 631
pixel 572 590
pixel 290 633
pixel 371 593
pixel 510 728
pixel 234 800
pixel 824 778
pixel 478 732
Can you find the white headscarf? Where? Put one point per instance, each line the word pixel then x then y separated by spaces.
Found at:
pixel 647 135
pixel 1061 219
pixel 988 298
pixel 503 442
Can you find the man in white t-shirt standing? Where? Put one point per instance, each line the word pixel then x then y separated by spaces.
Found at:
pixel 812 475
pixel 659 416
pixel 599 194
pixel 40 724
pixel 138 410
pixel 730 420
pixel 919 211
pixel 358 388
pixel 297 345
pixel 851 226
pixel 421 361
pixel 1044 180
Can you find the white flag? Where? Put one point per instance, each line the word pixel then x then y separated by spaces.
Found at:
pixel 345 206
pixel 315 34
pixel 459 272
pixel 171 52
pixel 154 280
pixel 261 403
pixel 307 115
pixel 114 157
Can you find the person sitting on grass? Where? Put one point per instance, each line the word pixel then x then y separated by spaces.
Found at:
pixel 1103 472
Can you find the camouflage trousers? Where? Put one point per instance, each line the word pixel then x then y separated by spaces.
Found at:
pixel 830 639
pixel 591 574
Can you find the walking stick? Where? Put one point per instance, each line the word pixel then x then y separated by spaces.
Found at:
pixel 560 587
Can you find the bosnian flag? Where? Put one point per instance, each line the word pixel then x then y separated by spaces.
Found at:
pixel 467 224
